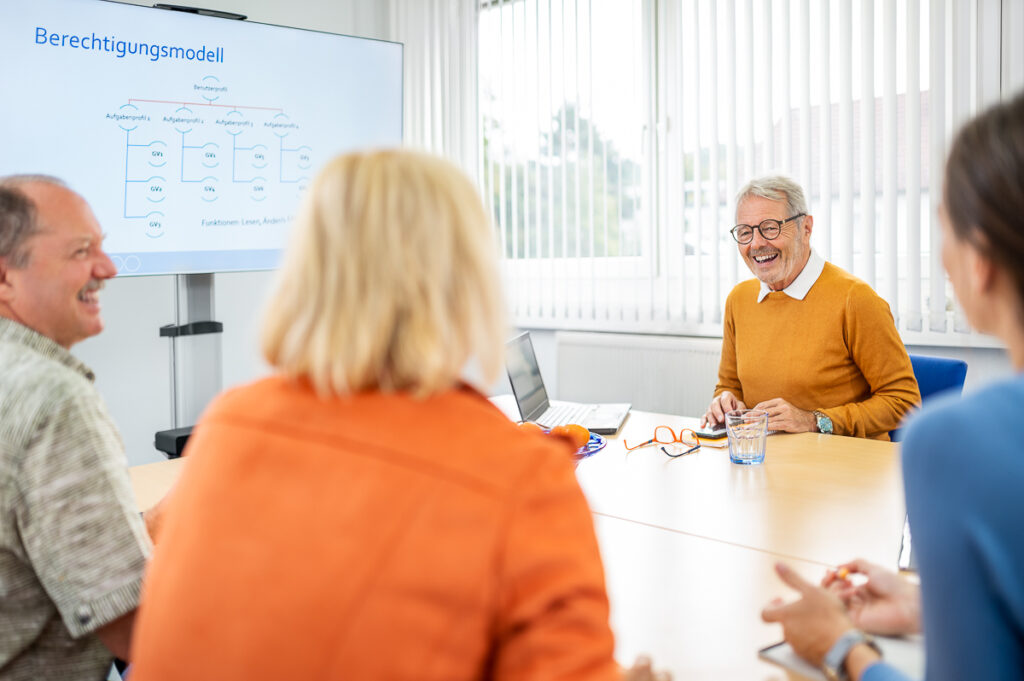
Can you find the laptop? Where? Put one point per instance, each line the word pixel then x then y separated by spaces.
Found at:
pixel 532 398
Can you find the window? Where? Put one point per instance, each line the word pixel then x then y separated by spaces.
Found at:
pixel 615 133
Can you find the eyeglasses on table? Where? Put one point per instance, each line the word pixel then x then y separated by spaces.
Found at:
pixel 669 442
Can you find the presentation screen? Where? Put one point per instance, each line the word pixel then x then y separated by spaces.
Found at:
pixel 192 137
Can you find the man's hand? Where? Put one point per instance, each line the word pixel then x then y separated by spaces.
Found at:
pixel 784 417
pixel 721 403
pixel 812 624
pixel 885 604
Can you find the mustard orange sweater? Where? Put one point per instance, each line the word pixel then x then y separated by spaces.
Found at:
pixel 836 351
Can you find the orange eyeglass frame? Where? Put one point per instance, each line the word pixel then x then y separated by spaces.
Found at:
pixel 658 438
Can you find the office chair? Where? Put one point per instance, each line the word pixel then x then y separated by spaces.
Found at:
pixel 935 375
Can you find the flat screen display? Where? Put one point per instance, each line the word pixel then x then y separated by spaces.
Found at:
pixel 524 375
pixel 192 137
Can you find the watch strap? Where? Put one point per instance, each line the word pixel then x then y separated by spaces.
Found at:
pixel 834 664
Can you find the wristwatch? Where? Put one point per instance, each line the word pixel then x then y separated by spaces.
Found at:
pixel 824 423
pixel 834 665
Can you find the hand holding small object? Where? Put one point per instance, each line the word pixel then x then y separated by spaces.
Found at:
pixel 812 624
pixel 883 603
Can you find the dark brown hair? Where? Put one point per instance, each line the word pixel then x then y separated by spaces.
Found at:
pixel 984 192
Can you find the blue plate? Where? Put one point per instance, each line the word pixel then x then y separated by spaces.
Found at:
pixel 596 444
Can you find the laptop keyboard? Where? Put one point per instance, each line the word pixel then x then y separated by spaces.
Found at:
pixel 563 414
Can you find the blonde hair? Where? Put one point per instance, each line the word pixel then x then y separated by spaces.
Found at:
pixel 390 281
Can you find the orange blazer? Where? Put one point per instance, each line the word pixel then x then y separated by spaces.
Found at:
pixel 372 537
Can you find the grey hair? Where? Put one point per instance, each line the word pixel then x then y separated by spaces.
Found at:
pixel 775 188
pixel 18 216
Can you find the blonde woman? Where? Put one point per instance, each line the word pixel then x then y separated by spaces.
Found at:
pixel 363 514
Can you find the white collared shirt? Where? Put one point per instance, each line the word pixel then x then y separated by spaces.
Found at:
pixel 803 282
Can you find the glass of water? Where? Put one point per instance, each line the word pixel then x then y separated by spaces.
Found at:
pixel 748 435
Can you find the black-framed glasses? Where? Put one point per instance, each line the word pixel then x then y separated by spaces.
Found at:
pixel 770 229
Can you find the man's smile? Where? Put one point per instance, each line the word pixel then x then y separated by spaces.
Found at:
pixel 90 293
pixel 762 258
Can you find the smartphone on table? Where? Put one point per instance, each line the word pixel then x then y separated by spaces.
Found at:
pixel 712 431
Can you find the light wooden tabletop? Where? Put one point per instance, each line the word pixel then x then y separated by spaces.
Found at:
pixel 689 544
pixel 692 604
pixel 151 481
pixel 818 498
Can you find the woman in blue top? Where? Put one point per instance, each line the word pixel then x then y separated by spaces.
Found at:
pixel 965 501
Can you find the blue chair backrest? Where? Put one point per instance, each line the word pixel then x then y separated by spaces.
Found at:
pixel 935 375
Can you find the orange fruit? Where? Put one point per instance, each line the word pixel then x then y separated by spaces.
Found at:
pixel 574 433
pixel 580 435
pixel 530 427
pixel 562 432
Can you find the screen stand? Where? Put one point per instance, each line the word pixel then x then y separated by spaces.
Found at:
pixel 195 354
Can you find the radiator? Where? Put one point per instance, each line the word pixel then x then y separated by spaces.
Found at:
pixel 667 374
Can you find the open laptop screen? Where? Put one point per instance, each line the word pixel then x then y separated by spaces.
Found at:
pixel 524 375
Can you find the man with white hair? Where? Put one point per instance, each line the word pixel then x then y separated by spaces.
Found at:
pixel 73 546
pixel 805 341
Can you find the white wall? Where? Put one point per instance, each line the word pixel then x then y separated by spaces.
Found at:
pixel 131 361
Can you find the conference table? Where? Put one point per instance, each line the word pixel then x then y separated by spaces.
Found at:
pixel 689 543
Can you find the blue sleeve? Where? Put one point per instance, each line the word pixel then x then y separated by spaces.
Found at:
pixel 881 671
pixel 965 499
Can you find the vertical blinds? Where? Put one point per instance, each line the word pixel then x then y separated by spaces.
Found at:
pixel 615 133
pixel 440 73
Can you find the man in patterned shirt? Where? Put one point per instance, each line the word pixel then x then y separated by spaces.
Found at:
pixel 72 543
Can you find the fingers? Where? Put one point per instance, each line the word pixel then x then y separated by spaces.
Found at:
pixel 770 405
pixel 836 586
pixel 714 413
pixel 847 595
pixel 792 579
pixel 709 416
pixel 775 610
pixel 642 670
pixel 869 578
pixel 854 566
pixel 784 417
pixel 835 582
pixel 719 405
pixel 839 575
pixel 864 567
pixel 777 409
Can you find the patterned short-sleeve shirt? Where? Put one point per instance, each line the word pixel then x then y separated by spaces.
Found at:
pixel 72 544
